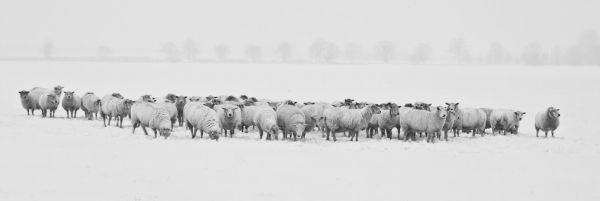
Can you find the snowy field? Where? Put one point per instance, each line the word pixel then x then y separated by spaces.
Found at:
pixel 66 159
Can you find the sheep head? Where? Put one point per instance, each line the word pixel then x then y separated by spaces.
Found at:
pixel 24 94
pixel 519 115
pixel 442 112
pixel 553 112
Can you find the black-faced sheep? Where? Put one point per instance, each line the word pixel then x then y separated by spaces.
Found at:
pixel 503 120
pixel 423 121
pixel 150 115
pixel 71 102
pixel 48 103
pixel 350 120
pixel 230 117
pixel 27 101
pixel 200 117
pixel 90 104
pixel 265 119
pixel 290 120
pixel 547 121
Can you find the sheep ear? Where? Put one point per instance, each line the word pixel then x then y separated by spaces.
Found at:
pixel 456 103
pixel 448 104
pixel 429 104
pixel 557 109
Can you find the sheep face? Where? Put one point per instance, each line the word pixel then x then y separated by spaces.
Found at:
pixel 52 99
pixel 98 103
pixel 58 90
pixel 374 109
pixel 393 109
pixel 24 95
pixel 148 98
pixel 181 100
pixel 69 95
pixel 213 134
pixel 274 130
pixel 422 106
pixel 243 97
pixel 195 99
pixel 553 112
pixel 442 112
pixel 229 111
pixel 299 128
pixel 171 97
pixel 519 115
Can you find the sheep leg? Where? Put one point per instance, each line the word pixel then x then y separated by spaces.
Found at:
pixel 295 135
pixel 133 129
pixel 552 133
pixel 144 129
pixel 194 132
pixel 121 122
pixel 67 114
pixel 109 118
pixel 202 133
pixel 260 133
pixel 75 114
pixel 155 134
pixel 537 132
pixel 356 135
pixel 546 133
pixel 333 135
pixel 231 132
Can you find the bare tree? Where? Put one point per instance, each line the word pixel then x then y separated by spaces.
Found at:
pixel 222 52
pixel 533 54
pixel 253 53
pixel 385 50
pixel 190 50
pixel 171 51
pixel 103 52
pixel 284 51
pixel 586 51
pixel 316 50
pixel 421 54
pixel 352 52
pixel 458 47
pixel 331 52
pixel 497 54
pixel 48 49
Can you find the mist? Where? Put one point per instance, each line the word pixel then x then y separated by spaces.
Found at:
pixel 354 29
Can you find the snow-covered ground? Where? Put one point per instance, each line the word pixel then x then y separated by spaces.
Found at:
pixel 66 159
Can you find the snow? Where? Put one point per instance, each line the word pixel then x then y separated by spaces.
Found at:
pixel 76 159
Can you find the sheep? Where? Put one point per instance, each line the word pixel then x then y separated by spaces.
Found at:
pixel 111 106
pixel 36 92
pixel 469 119
pixel 27 101
pixel 147 98
pixel 450 120
pixel 71 102
pixel 503 120
pixel 312 113
pixel 247 118
pixel 351 120
pixel 196 99
pixel 388 120
pixel 48 101
pixel 230 117
pixel 169 105
pixel 180 103
pixel 146 114
pixel 422 106
pixel 291 120
pixel 423 121
pixel 90 104
pixel 200 117
pixel 265 119
pixel 547 121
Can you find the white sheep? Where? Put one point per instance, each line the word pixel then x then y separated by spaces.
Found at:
pixel 350 120
pixel 247 117
pixel 450 120
pixel 312 113
pixel 90 104
pixel 111 106
pixel 265 119
pixel 71 102
pixel 503 120
pixel 171 107
pixel 388 120
pixel 290 120
pixel 48 102
pixel 547 121
pixel 36 92
pixel 230 117
pixel 373 125
pixel 200 117
pixel 469 119
pixel 150 115
pixel 423 121
pixel 27 101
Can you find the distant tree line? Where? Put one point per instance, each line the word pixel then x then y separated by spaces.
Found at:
pixel 585 50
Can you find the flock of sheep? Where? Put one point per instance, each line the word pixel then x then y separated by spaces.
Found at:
pixel 223 115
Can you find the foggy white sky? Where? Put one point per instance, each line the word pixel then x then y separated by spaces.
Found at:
pixel 145 24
